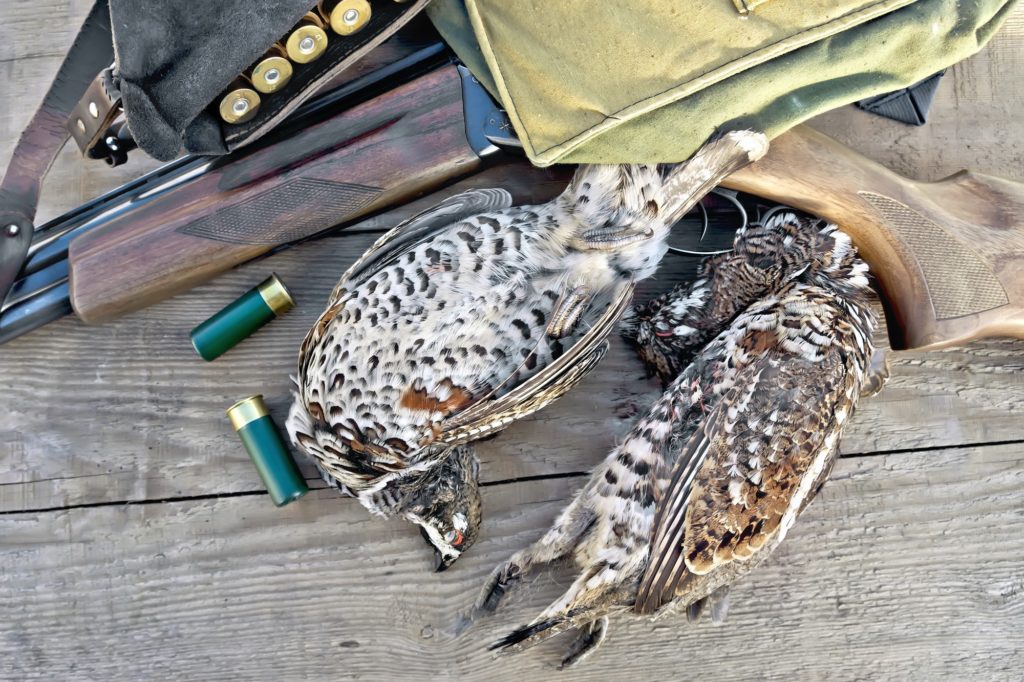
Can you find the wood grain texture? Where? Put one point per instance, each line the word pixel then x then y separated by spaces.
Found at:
pixel 908 567
pixel 40 29
pixel 876 581
pixel 974 122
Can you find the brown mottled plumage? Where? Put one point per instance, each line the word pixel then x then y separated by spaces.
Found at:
pixel 711 478
pixel 475 314
pixel 668 330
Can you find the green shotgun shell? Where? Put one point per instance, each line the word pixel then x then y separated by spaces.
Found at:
pixel 240 319
pixel 263 442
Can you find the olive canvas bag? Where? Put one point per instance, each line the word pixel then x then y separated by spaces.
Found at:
pixel 650 80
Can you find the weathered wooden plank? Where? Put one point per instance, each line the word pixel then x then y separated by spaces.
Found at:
pixel 35 29
pixel 72 179
pixel 34 35
pixel 907 567
pixel 160 432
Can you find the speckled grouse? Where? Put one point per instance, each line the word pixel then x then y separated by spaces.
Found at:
pixel 472 315
pixel 711 478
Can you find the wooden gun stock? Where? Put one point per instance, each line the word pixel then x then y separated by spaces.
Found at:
pixel 947 255
pixel 377 154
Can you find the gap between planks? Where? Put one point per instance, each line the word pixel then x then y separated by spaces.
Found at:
pixel 317 483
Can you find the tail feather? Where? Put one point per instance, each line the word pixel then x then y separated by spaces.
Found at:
pixel 520 638
pixel 535 633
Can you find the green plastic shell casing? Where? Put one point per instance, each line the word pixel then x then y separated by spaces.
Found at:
pixel 241 318
pixel 267 450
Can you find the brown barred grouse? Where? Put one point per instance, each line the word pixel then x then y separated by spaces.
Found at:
pixel 474 314
pixel 709 481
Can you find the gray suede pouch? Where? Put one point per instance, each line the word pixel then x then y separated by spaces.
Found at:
pixel 176 57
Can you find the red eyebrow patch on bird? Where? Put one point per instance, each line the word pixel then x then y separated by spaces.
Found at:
pixel 417 398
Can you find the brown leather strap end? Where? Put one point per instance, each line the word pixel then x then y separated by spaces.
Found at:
pixel 94 113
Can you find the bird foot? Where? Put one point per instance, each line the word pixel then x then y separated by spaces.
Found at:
pixel 877 375
pixel 567 312
pixel 611 238
pixel 496 586
pixel 694 610
pixel 591 636
pixel 719 605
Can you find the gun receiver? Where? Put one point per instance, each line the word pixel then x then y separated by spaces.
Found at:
pixel 947 255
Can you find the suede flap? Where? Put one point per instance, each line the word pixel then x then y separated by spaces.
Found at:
pixel 174 57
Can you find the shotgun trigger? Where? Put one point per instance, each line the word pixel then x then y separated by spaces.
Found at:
pixel 488 128
pixel 498 129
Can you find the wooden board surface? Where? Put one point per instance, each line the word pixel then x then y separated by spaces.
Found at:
pixel 135 541
pixel 906 567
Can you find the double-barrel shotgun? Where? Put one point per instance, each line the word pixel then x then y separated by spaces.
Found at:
pixel 948 256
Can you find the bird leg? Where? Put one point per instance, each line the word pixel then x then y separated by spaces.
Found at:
pixel 719 158
pixel 558 541
pixel 581 605
pixel 567 312
pixel 591 636
pixel 877 375
pixel 717 602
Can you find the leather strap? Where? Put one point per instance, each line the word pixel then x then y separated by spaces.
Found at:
pixel 43 138
pixel 94 113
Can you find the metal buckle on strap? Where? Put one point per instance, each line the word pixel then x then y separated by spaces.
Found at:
pixel 94 113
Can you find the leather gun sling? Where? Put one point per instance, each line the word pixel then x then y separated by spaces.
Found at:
pixel 43 138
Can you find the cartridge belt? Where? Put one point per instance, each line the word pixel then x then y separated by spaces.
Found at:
pixel 342 51
pixel 265 102
pixel 175 100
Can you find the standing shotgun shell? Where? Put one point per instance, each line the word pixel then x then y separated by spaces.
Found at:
pixel 242 317
pixel 345 16
pixel 263 442
pixel 240 103
pixel 272 71
pixel 308 40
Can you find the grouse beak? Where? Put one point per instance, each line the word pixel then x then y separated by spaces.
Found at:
pixel 443 562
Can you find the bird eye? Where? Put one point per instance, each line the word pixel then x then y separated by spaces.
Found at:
pixel 453 538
